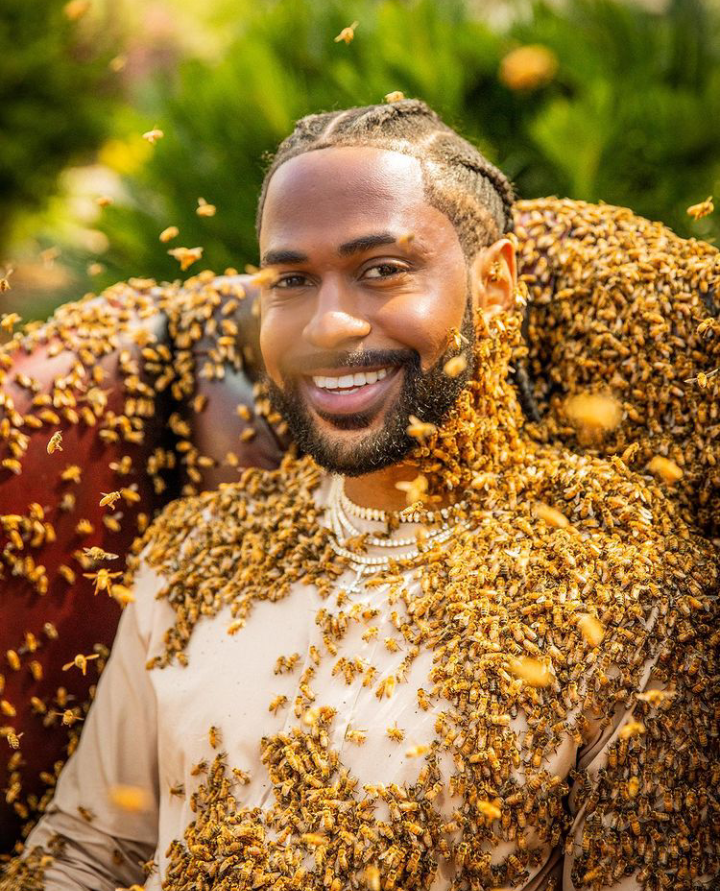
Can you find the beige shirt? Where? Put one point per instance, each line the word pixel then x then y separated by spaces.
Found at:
pixel 149 728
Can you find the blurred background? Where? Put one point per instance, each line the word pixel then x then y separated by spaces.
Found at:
pixel 121 118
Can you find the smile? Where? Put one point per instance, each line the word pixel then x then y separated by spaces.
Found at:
pixel 350 393
pixel 350 382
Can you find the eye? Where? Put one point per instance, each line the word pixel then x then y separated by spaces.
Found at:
pixel 384 270
pixel 290 280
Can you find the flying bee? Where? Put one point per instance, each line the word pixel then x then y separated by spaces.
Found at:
pixel 592 630
pixel 96 553
pixel 68 717
pixel 169 233
pixel 454 367
pixel 102 578
pixel 14 739
pixel 5 286
pixel 703 209
pixel 420 429
pixel 415 490
pixel 134 799
pixel 109 498
pixel 153 135
pixel 204 209
pixel 80 662
pixel 186 256
pixel 656 697
pixel 632 729
pixel 417 751
pixel 8 320
pixel 665 469
pixel 347 35
pixel 551 516
pixel 55 443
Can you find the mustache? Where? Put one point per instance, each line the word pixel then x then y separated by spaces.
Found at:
pixel 357 359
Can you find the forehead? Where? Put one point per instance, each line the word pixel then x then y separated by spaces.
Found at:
pixel 336 192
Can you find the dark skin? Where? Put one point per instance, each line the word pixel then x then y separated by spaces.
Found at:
pixel 347 277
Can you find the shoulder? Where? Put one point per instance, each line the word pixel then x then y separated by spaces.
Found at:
pixel 223 547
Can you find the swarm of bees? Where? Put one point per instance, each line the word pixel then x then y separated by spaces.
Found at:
pixel 575 570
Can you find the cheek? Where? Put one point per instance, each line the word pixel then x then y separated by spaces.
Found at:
pixel 277 335
pixel 423 322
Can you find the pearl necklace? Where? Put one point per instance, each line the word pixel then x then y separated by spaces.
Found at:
pixel 343 528
pixel 407 514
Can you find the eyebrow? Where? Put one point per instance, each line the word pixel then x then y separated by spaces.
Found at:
pixel 357 245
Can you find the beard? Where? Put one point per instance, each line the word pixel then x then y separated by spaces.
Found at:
pixel 429 395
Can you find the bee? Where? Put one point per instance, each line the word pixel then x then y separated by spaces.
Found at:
pixel 71 474
pixel 186 256
pixel 12 318
pixel 417 751
pixel 277 703
pixel 396 733
pixel 394 96
pixel 109 498
pixel 96 553
pixel 153 135
pixel 134 799
pixel 204 209
pixel 356 736
pixel 178 790
pixel 454 367
pixel 169 233
pixel 13 660
pixel 103 579
pixel 631 729
pixel 592 630
pixel 532 671
pixel 415 490
pixel 665 469
pixel 80 662
pixel 550 516
pixel 347 35
pixel 55 443
pixel 703 209
pixel 372 877
pixel 420 429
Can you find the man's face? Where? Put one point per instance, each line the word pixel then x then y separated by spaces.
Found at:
pixel 368 281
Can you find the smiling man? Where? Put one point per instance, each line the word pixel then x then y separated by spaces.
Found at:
pixel 426 652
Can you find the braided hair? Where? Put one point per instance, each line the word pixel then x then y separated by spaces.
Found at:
pixel 459 181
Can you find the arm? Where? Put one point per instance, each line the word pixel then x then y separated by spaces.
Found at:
pixel 104 848
pixel 645 801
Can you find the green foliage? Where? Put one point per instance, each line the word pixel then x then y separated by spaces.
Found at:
pixel 54 98
pixel 632 116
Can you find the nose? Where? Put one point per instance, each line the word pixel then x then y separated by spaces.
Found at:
pixel 335 320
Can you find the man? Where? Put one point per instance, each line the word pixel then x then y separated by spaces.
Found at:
pixel 428 653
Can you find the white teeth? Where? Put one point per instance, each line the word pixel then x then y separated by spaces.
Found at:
pixel 349 381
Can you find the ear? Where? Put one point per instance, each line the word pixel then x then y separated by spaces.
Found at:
pixel 493 277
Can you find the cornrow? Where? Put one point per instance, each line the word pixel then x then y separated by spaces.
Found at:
pixel 459 181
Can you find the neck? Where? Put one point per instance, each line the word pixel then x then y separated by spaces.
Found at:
pixel 379 489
